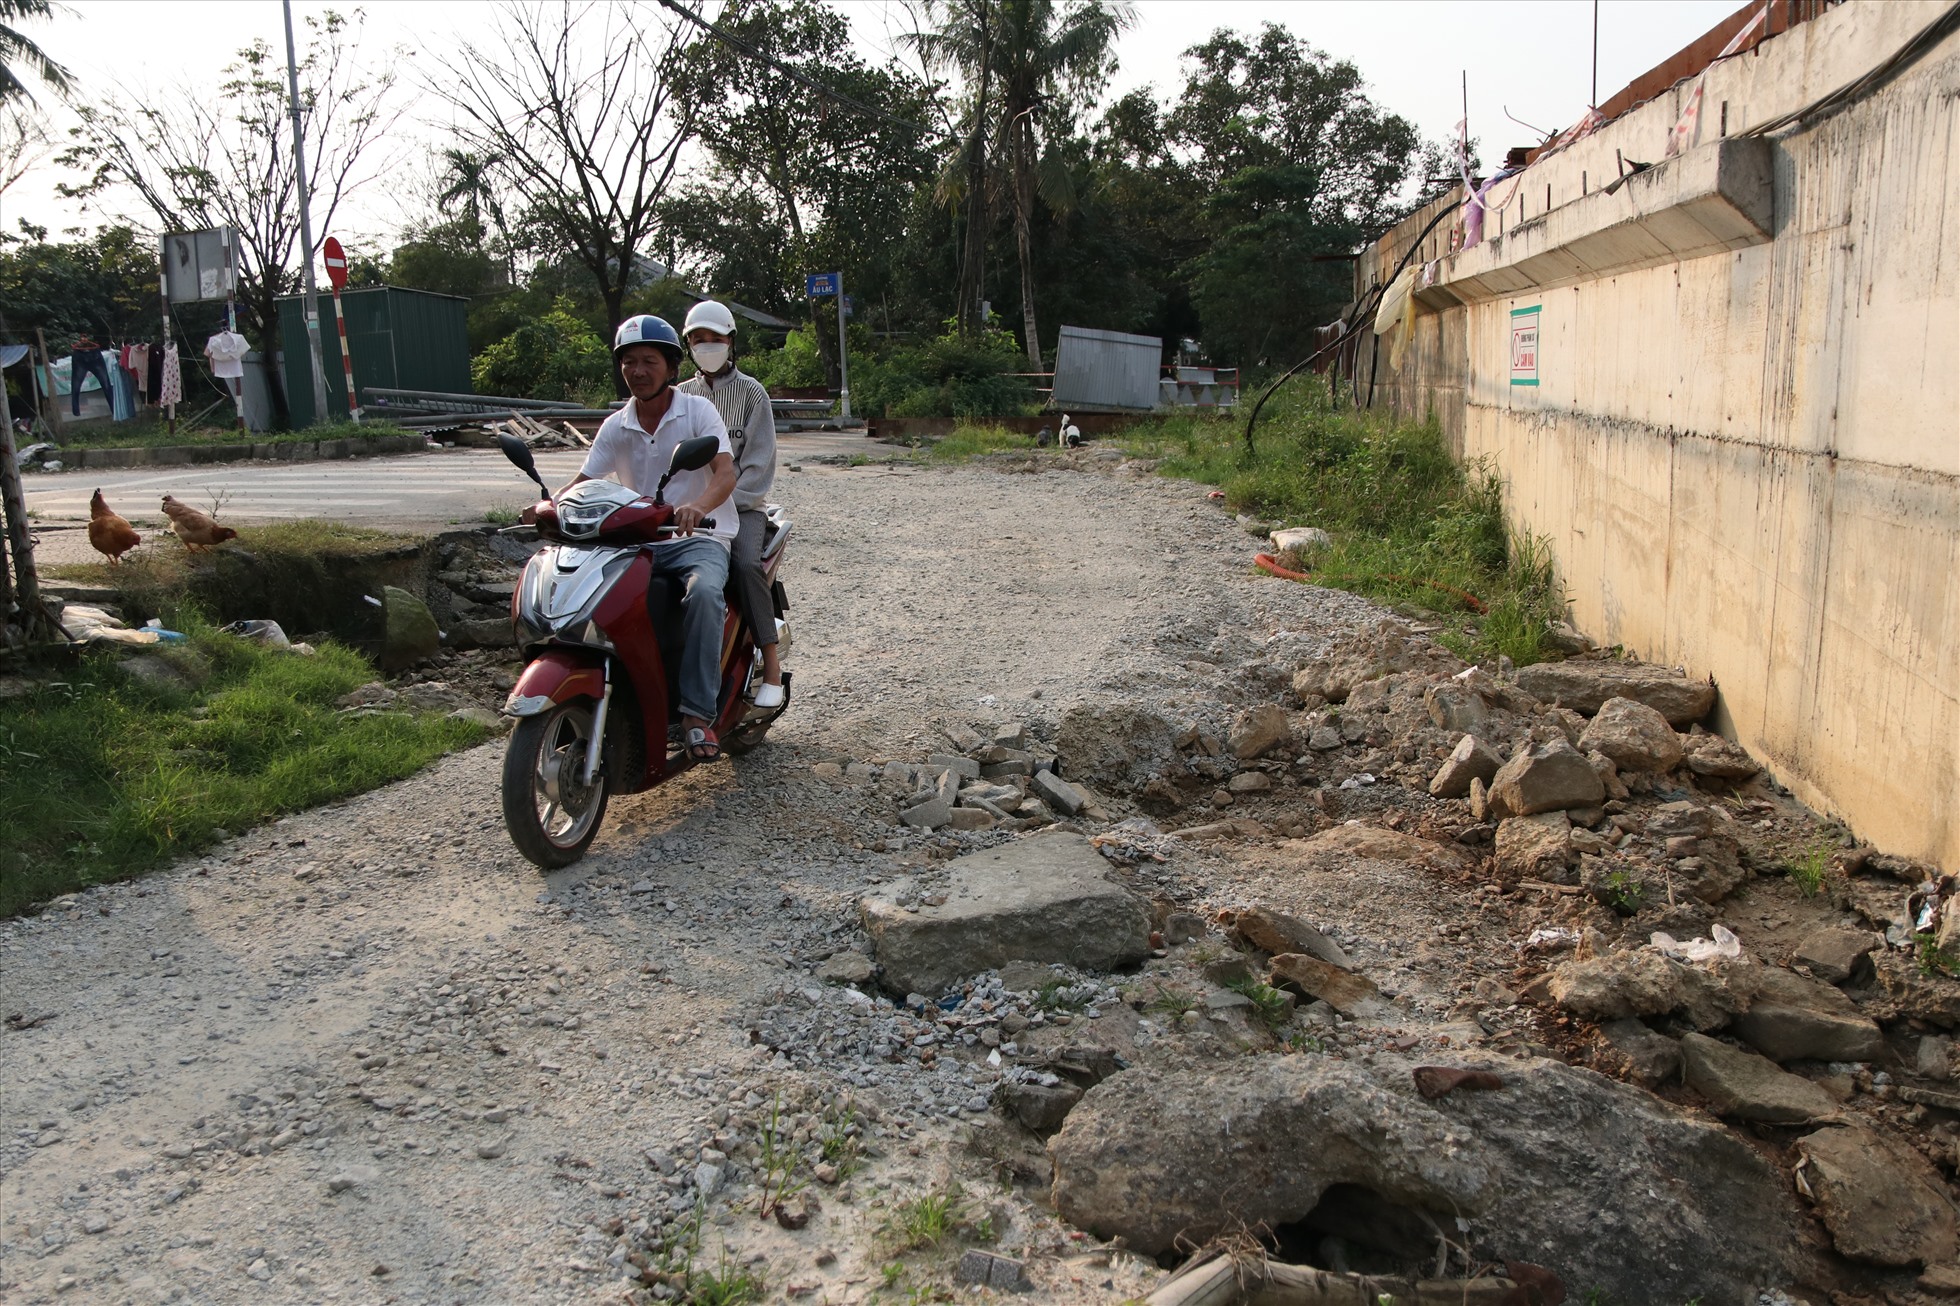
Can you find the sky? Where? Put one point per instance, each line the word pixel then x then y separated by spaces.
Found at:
pixel 1532 58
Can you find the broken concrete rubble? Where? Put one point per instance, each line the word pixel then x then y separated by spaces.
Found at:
pixel 1535 848
pixel 1275 933
pixel 1585 685
pixel 1259 731
pixel 1791 1018
pixel 1163 1158
pixel 1044 898
pixel 1354 996
pixel 1545 777
pixel 1468 761
pixel 1744 1086
pixel 1882 1202
pixel 1834 954
pixel 1643 983
pixel 1633 735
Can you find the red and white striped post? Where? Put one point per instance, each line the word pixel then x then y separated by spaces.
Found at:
pixel 336 260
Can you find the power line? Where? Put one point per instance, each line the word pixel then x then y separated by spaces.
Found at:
pixel 742 47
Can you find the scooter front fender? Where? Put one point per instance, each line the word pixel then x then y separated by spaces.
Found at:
pixel 554 677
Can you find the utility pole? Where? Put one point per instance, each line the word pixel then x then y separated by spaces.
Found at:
pixel 312 300
pixel 843 367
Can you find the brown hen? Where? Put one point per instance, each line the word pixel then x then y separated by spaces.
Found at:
pixel 196 528
pixel 111 535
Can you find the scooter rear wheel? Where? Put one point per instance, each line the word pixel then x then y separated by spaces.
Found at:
pixel 550 815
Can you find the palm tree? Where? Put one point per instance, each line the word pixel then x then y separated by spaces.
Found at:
pixel 1024 61
pixel 17 51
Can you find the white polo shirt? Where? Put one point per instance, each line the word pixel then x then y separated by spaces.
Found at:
pixel 625 451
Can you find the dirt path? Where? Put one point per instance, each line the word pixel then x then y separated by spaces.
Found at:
pixel 367 1054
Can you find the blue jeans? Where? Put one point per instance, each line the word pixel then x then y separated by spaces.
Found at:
pixel 701 564
pixel 83 364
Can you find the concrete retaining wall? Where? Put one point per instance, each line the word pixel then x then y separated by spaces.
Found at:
pixel 1744 440
pixel 278 451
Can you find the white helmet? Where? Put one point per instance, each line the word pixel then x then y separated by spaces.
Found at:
pixel 711 316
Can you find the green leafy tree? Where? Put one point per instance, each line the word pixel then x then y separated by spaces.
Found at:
pixel 196 158
pixel 18 52
pixel 803 182
pixel 1293 160
pixel 556 355
pixel 1030 66
pixel 104 286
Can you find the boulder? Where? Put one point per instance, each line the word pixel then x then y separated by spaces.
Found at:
pixel 1535 848
pixel 408 630
pixel 1038 1107
pixel 1633 735
pixel 1792 1018
pixel 1642 982
pixel 1586 685
pixel 1047 898
pixel 1249 782
pixel 1469 760
pixel 1276 933
pixel 1743 1086
pixel 1059 793
pixel 1455 707
pixel 1834 953
pixel 1646 1057
pixel 1259 731
pixel 1354 996
pixel 1881 1200
pixel 1164 1158
pixel 1545 777
pixel 1718 759
pixel 1117 746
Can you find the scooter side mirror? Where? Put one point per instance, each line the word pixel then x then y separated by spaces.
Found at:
pixel 520 455
pixel 693 455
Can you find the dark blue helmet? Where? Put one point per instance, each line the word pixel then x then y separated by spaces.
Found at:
pixel 646 329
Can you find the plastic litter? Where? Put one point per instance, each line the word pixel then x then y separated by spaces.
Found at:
pixel 263 632
pixel 1723 945
pixel 1550 940
pixel 89 625
pixel 1361 780
pixel 167 636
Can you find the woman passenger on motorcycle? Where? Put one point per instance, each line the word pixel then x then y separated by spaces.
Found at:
pixel 745 411
pixel 636 446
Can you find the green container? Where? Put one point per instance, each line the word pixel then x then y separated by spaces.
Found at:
pixel 400 339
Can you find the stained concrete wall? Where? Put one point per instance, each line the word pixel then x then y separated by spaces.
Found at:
pixel 1744 443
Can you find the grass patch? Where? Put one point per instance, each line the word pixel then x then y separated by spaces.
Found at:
pixel 1808 868
pixel 970 440
pixel 1269 1006
pixel 922 1221
pixel 503 514
pixel 103 776
pixel 150 431
pixel 1407 524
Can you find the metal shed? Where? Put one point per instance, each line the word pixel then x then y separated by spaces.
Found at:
pixel 1106 370
pixel 402 339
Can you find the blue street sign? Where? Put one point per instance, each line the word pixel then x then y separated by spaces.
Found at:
pixel 819 284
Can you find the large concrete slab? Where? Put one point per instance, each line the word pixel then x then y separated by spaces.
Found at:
pixel 1046 898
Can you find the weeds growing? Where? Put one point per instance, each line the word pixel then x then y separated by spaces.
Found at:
pixel 967 441
pixel 1269 1006
pixel 103 775
pixel 1807 869
pixel 1407 524
pixel 922 1221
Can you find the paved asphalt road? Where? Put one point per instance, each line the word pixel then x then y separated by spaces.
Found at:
pixel 431 489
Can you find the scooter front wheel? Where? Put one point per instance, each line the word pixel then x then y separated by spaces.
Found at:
pixel 551 814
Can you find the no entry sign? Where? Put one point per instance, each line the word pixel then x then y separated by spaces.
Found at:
pixel 336 259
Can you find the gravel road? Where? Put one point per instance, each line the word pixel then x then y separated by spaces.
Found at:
pixel 368 1054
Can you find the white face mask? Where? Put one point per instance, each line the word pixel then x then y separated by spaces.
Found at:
pixel 711 357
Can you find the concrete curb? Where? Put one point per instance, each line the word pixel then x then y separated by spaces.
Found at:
pixel 295 451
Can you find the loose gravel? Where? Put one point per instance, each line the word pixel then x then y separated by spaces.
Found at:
pixel 367 1053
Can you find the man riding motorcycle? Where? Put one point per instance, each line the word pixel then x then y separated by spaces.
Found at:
pixel 635 446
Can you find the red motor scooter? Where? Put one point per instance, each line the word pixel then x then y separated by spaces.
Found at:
pixel 597 706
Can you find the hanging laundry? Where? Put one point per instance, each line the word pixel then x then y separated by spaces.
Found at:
pixel 122 393
pixel 139 367
pixel 227 351
pixel 170 386
pixel 85 361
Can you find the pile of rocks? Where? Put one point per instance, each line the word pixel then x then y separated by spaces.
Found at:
pixel 1000 778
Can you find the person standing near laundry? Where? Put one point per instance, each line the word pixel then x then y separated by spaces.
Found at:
pixel 227 351
pixel 744 407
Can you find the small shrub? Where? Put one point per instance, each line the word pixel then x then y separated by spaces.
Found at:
pixel 556 356
pixel 1269 1006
